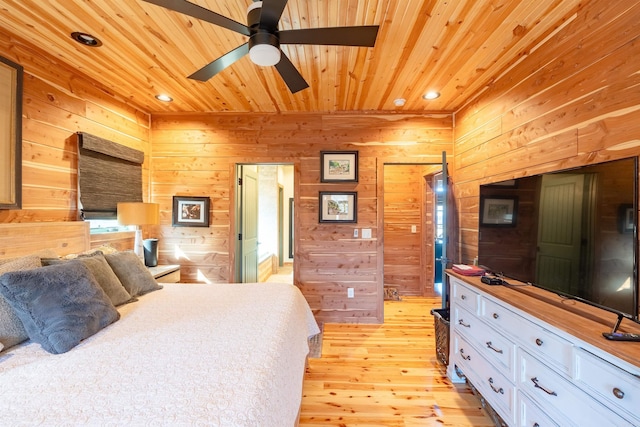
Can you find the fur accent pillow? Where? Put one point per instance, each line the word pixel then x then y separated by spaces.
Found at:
pixel 59 305
pixel 104 249
pixel 103 273
pixel 130 269
pixel 12 331
pixel 43 253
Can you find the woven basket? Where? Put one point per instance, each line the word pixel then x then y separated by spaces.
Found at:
pixel 441 326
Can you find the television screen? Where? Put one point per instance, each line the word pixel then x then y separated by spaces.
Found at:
pixel 572 232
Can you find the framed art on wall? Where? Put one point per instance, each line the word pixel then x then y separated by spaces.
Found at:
pixel 10 134
pixel 338 206
pixel 190 211
pixel 498 211
pixel 338 166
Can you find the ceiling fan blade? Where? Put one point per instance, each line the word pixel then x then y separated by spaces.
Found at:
pixel 213 68
pixel 290 74
pixel 271 13
pixel 338 36
pixel 195 11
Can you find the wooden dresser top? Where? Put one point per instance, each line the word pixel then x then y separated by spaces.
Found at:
pixel 578 319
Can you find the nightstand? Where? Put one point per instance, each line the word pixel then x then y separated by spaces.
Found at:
pixel 166 273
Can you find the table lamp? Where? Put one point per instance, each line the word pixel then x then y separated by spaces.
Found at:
pixel 138 213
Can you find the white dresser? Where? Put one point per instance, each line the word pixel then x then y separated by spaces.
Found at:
pixel 540 360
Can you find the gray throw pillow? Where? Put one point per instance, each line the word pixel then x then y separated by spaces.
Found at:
pixel 103 274
pixel 133 275
pixel 12 331
pixel 59 305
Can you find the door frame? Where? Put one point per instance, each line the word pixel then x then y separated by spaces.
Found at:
pixel 233 265
pixel 381 162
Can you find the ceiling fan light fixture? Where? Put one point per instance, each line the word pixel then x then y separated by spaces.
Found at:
pixel 264 55
pixel 399 102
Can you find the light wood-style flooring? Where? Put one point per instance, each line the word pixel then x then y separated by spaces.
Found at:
pixel 386 375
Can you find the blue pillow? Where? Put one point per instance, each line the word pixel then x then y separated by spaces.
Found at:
pixel 132 273
pixel 103 274
pixel 59 305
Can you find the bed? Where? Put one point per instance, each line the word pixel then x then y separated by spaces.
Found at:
pixel 186 354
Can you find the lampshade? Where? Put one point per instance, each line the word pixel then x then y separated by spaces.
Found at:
pixel 264 55
pixel 138 213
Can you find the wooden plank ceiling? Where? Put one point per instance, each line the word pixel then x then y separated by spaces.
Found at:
pixel 456 47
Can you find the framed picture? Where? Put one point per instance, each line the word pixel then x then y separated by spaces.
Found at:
pixel 498 211
pixel 190 211
pixel 338 166
pixel 10 134
pixel 338 206
pixel 625 218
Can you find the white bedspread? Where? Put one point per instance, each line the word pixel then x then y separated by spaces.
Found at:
pixel 211 355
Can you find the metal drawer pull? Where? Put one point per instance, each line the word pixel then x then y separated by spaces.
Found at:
pixel 546 390
pixel 463 355
pixel 618 393
pixel 497 350
pixel 536 425
pixel 496 390
pixel 461 322
pixel 539 342
pixel 496 315
pixel 463 297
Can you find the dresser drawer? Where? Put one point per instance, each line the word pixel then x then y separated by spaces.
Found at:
pixel 465 322
pixel 495 387
pixel 530 414
pixel 543 343
pixel 547 388
pixel 464 296
pixel 463 353
pixel 620 388
pixel 497 348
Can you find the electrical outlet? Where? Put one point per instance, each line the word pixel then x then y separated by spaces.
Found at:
pixel 366 233
pixel 414 229
pixel 350 293
pixel 355 232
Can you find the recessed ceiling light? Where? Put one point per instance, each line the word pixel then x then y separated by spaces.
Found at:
pixel 86 39
pixel 431 95
pixel 163 97
pixel 399 102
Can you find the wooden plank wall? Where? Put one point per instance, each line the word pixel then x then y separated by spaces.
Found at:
pixel 572 102
pixel 195 155
pixel 57 102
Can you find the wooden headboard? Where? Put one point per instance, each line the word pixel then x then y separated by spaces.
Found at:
pixel 18 239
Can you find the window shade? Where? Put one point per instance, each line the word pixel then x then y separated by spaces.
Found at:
pixel 108 173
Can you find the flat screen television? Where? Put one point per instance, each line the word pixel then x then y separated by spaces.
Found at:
pixel 571 232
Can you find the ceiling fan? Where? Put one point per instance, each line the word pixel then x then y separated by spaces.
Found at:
pixel 265 38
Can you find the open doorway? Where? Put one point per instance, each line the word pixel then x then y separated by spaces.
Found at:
pixel 410 229
pixel 263 231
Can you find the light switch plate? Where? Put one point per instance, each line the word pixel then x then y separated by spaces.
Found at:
pixel 366 233
pixel 355 232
